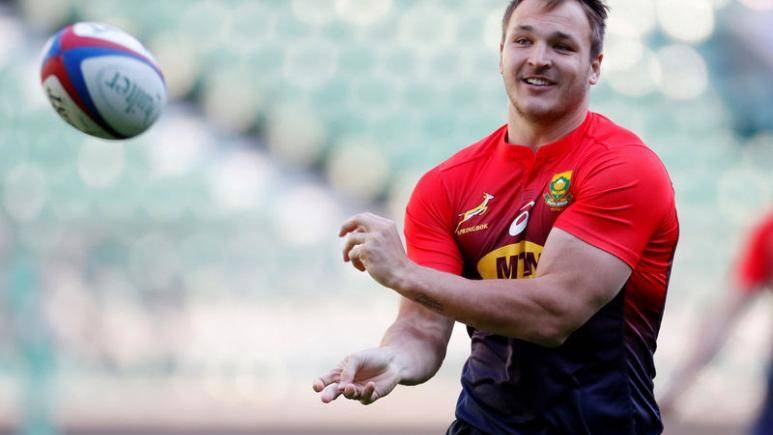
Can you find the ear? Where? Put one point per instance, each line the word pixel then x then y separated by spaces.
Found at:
pixel 595 67
pixel 501 66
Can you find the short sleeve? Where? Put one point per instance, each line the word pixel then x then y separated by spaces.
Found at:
pixel 756 261
pixel 620 200
pixel 429 224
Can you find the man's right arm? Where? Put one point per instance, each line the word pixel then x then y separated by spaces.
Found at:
pixel 420 335
pixel 414 346
pixel 410 353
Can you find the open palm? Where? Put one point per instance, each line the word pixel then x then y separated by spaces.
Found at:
pixel 365 376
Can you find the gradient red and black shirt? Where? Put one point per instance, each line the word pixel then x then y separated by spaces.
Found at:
pixel 486 212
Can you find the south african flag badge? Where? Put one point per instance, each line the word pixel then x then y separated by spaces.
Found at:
pixel 558 195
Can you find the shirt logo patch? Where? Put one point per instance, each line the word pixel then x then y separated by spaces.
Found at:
pixel 469 214
pixel 521 221
pixel 515 261
pixel 558 195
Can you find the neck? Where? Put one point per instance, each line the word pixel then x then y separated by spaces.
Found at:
pixel 535 134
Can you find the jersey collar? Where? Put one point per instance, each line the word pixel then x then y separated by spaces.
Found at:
pixel 561 146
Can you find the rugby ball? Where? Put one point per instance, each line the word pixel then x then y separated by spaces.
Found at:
pixel 102 81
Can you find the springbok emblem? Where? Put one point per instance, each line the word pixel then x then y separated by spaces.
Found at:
pixel 479 210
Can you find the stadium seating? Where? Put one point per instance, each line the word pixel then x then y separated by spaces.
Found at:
pixel 184 252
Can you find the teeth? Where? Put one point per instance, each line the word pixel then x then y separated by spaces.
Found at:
pixel 537 81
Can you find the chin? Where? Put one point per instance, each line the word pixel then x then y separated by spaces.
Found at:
pixel 538 112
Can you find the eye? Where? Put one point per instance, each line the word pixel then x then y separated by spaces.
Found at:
pixel 521 41
pixel 563 47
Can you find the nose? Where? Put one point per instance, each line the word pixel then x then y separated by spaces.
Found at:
pixel 538 56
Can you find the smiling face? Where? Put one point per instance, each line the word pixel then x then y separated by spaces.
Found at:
pixel 546 63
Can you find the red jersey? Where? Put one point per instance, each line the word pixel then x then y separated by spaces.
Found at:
pixel 755 268
pixel 486 213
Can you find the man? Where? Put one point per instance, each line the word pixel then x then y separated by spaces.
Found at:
pixel 754 274
pixel 552 239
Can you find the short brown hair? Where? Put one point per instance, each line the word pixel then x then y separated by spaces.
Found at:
pixel 595 10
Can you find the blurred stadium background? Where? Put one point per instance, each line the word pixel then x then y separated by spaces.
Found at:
pixel 190 281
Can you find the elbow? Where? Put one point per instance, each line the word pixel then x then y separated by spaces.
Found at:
pixel 552 334
pixel 557 322
pixel 549 340
pixel 542 334
pixel 549 331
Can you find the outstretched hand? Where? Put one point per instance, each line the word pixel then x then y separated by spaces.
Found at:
pixel 364 376
pixel 373 245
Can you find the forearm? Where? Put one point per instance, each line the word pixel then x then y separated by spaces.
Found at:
pixel 523 309
pixel 573 281
pixel 419 347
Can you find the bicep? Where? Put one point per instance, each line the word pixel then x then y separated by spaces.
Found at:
pixel 580 277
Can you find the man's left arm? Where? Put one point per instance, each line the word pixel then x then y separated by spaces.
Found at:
pixel 588 256
pixel 574 280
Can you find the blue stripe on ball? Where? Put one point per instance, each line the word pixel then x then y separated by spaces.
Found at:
pixel 55 49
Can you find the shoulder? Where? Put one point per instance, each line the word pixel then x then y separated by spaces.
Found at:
pixel 462 164
pixel 618 170
pixel 434 185
pixel 473 153
pixel 755 264
pixel 620 152
pixel 606 132
pixel 760 237
pixel 764 228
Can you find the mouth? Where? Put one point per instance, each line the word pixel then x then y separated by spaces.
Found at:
pixel 537 81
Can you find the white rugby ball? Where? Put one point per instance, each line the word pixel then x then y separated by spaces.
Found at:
pixel 102 81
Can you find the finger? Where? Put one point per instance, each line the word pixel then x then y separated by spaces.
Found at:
pixel 354 239
pixel 319 384
pixel 351 392
pixel 350 225
pixel 368 395
pixel 349 370
pixel 362 221
pixel 330 393
pixel 323 381
pixel 355 255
